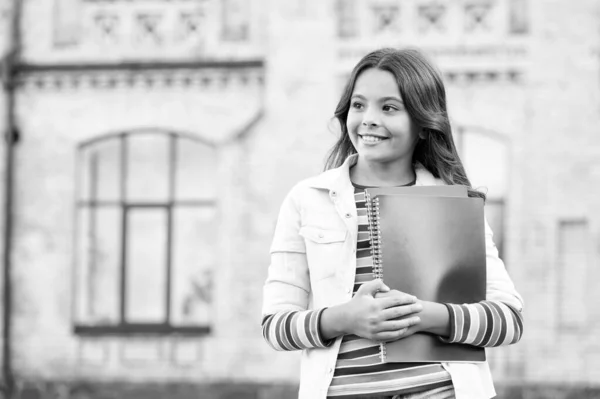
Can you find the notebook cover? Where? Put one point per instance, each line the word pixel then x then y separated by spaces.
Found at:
pixel 441 191
pixel 433 247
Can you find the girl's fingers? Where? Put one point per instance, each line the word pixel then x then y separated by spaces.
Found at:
pixel 397 325
pixel 400 311
pixel 387 336
pixel 372 288
pixel 396 299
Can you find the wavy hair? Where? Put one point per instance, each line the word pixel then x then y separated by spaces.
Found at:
pixel 424 96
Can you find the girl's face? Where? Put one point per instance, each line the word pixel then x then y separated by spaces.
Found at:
pixel 378 124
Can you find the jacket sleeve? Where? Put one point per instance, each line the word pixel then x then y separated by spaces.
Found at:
pixel 499 319
pixel 286 322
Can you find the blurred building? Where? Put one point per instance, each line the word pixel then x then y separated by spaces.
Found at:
pixel 157 140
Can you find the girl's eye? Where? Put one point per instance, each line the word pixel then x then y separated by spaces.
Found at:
pixel 389 108
pixel 357 105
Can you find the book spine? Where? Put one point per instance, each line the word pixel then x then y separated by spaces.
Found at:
pixel 373 218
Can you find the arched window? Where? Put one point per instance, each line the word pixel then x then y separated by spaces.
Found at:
pixel 485 155
pixel 145 234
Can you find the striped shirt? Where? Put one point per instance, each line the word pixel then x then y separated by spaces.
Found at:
pixel 359 369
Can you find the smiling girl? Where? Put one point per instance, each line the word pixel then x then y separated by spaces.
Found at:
pixel 321 296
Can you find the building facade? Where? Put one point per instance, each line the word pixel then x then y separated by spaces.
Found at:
pixel 158 139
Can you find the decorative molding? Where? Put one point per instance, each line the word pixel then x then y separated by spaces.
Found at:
pixel 190 24
pixel 148 28
pixel 144 1
pixel 386 18
pixel 106 26
pixel 138 29
pixel 210 75
pixel 483 76
pixel 463 63
pixel 432 17
pixel 477 16
pixel 483 20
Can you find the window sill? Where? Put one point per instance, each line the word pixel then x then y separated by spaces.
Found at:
pixel 140 329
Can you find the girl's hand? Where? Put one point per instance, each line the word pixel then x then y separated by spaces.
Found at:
pixel 415 328
pixel 434 317
pixel 379 314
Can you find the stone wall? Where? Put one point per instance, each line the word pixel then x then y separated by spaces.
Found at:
pixel 272 131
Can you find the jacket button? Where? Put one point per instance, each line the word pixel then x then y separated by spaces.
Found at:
pixel 321 235
pixel 348 216
pixel 333 193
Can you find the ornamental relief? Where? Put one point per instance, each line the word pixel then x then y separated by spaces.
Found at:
pixel 135 27
pixel 472 40
pixel 432 17
pixel 413 18
pixel 194 79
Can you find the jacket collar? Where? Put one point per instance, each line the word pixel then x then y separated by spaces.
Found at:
pixel 339 178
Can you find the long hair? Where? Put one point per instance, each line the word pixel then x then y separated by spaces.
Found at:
pixel 422 91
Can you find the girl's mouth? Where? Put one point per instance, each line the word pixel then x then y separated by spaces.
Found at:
pixel 368 139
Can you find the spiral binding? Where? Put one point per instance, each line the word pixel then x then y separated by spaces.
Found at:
pixel 375 234
pixel 382 352
pixel 375 237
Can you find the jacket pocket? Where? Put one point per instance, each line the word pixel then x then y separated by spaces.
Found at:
pixel 324 250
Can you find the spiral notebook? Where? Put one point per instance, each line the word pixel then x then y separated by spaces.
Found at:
pixel 429 243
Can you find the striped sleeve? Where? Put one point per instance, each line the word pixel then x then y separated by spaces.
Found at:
pixel 294 330
pixel 485 324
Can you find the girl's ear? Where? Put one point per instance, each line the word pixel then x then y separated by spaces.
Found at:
pixel 422 134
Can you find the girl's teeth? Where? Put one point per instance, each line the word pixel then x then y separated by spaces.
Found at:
pixel 371 139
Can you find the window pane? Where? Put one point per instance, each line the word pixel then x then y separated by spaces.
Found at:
pixel 101 171
pixel 196 171
pixel 148 167
pixel 99 251
pixel 146 280
pixel 194 259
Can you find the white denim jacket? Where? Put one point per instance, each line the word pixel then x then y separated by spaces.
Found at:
pixel 305 274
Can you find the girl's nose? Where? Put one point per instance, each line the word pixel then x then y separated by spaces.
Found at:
pixel 370 117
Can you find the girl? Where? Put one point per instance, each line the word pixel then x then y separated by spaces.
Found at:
pixel 320 295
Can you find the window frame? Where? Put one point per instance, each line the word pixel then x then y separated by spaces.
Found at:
pixel 122 326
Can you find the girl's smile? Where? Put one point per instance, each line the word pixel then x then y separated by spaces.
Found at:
pixel 370 139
